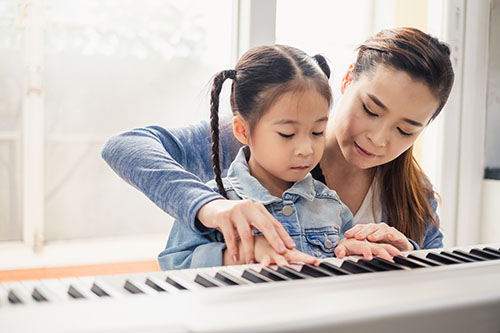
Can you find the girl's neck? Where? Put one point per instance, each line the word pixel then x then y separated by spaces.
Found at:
pixel 274 185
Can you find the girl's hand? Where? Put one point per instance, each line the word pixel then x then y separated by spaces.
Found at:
pixel 379 233
pixel 236 219
pixel 351 246
pixel 266 255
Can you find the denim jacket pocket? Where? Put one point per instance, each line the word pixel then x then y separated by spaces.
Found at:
pixel 322 241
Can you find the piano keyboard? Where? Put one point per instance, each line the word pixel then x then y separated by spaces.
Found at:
pixel 445 290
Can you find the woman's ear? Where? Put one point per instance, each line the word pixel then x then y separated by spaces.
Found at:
pixel 240 129
pixel 347 79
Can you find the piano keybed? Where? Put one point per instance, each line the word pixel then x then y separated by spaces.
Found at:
pixel 340 288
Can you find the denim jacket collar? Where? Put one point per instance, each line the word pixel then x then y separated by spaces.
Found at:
pixel 248 187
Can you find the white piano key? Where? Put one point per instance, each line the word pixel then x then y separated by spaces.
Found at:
pixel 4 295
pixel 185 279
pixel 140 285
pixel 57 288
pixel 21 293
pixel 160 282
pixel 81 286
pixel 35 286
pixel 113 286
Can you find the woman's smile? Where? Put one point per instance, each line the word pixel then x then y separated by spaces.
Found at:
pixel 363 152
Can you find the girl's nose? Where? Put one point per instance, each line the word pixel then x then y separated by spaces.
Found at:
pixel 304 147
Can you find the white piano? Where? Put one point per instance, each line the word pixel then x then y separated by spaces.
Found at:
pixel 446 290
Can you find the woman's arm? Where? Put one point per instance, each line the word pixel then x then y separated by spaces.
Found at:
pixel 170 166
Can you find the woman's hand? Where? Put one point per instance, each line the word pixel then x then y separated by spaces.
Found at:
pixel 266 255
pixel 236 219
pixel 351 246
pixel 379 233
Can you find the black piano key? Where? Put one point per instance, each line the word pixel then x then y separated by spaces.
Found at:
pixel 292 273
pixel 175 283
pixel 333 269
pixel 96 289
pixel 273 275
pixel 456 257
pixel 387 264
pixel 442 259
pixel 74 292
pixel 426 261
pixel 371 265
pixel 355 268
pixel 484 254
pixel 38 296
pixel 227 278
pixel 13 298
pixel 408 262
pixel 154 286
pixel 255 277
pixel 492 250
pixel 468 255
pixel 132 288
pixel 207 281
pixel 315 271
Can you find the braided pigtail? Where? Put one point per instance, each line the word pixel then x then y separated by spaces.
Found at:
pixel 323 64
pixel 214 124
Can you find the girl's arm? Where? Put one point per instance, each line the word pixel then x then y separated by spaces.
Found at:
pixel 170 166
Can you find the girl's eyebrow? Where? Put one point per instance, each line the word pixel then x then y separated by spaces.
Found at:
pixel 291 121
pixel 381 105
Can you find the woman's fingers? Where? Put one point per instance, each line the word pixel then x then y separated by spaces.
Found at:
pixel 229 233
pixel 273 231
pixel 351 232
pixel 246 239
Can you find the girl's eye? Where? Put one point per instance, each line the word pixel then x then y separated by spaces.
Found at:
pixel 287 136
pixel 371 114
pixel 318 133
pixel 404 133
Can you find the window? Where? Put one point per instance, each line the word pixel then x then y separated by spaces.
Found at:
pixel 89 69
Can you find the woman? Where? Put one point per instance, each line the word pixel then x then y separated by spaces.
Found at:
pixel 399 83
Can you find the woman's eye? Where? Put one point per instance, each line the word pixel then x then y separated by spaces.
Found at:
pixel 318 133
pixel 287 136
pixel 371 114
pixel 404 133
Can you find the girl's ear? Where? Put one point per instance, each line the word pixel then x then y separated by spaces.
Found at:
pixel 240 129
pixel 347 79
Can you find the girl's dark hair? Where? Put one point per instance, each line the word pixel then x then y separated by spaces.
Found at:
pixel 260 77
pixel 405 188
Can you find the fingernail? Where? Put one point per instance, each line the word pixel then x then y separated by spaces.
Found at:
pixel 291 244
pixel 235 258
pixel 361 235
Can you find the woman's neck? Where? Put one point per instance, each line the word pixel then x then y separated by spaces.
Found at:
pixel 351 183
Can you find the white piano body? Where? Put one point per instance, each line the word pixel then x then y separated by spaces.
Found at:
pixel 447 298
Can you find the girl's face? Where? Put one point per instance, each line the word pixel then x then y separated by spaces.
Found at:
pixel 381 115
pixel 288 140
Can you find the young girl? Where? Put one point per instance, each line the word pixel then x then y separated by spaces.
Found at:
pixel 280 99
pixel 400 82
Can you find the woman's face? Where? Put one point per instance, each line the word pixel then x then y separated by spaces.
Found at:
pixel 381 115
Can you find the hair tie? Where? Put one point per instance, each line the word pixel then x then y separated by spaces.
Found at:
pixel 231 74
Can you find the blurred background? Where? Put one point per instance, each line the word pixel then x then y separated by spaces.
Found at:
pixel 75 72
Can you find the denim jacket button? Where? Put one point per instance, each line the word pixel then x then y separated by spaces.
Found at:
pixel 287 210
pixel 328 244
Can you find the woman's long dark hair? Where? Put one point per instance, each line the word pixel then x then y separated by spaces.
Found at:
pixel 260 77
pixel 405 189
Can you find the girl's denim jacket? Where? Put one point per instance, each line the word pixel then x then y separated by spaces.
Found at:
pixel 311 213
pixel 171 167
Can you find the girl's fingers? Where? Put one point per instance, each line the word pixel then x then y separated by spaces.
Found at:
pixel 379 251
pixel 340 251
pixel 280 260
pixel 266 261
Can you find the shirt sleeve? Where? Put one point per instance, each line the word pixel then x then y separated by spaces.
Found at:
pixel 433 237
pixel 170 166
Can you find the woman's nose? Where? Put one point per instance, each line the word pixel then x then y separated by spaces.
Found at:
pixel 379 137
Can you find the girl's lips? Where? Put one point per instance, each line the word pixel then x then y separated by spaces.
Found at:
pixel 363 152
pixel 300 168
